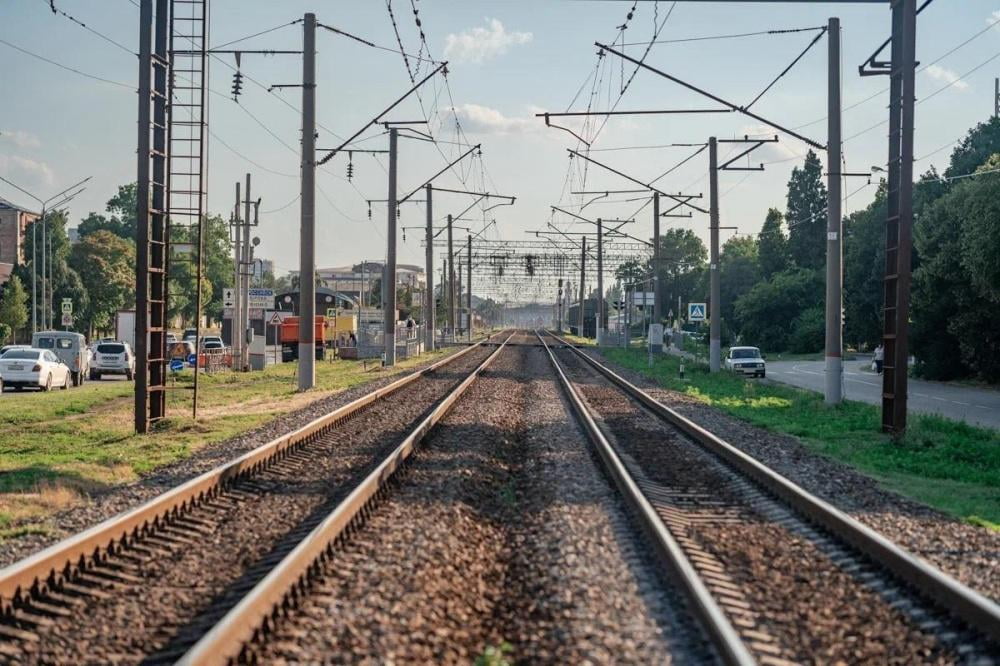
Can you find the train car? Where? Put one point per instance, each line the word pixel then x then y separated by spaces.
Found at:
pixel 589 318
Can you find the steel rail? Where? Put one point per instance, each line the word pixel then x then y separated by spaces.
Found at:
pixel 955 598
pixel 228 639
pixel 47 569
pixel 724 637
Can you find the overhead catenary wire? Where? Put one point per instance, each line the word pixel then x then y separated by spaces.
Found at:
pixel 68 68
pixel 682 40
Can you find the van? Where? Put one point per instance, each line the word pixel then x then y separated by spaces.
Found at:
pixel 69 347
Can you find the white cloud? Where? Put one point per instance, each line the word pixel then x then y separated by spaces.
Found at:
pixel 948 76
pixel 26 172
pixel 994 18
pixel 479 44
pixel 20 138
pixel 484 120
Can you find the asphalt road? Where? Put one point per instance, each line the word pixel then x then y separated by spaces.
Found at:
pixel 962 403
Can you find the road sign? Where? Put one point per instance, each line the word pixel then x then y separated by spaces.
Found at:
pixel 696 311
pixel 67 319
pixel 275 319
pixel 67 306
pixel 261 299
pixel 331 313
pixel 192 359
pixel 228 297
pixel 176 365
pixel 642 297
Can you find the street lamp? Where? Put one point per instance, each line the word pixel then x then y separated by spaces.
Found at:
pixel 63 197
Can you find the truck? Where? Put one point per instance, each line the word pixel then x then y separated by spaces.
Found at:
pixel 125 327
pixel 289 338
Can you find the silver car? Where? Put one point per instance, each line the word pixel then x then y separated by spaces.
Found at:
pixel 113 358
pixel 746 361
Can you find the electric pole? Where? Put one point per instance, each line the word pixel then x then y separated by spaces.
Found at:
pixel 996 97
pixel 583 278
pixel 237 295
pixel 834 236
pixel 715 325
pixel 451 282
pixel 468 287
pixel 244 283
pixel 307 222
pixel 599 330
pixel 389 276
pixel 429 260
pixel 657 307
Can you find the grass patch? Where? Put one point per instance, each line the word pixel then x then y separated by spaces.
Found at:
pixel 946 464
pixel 57 448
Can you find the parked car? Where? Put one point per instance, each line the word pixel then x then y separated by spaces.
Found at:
pixel 7 348
pixel 38 368
pixel 746 361
pixel 69 347
pixel 171 339
pixel 189 334
pixel 113 358
pixel 212 342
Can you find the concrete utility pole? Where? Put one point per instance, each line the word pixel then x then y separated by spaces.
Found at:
pixel 451 282
pixel 389 277
pixel 237 294
pixel 307 221
pixel 583 279
pixel 429 268
pixel 715 327
pixel 245 284
pixel 599 330
pixel 996 97
pixel 834 236
pixel 458 297
pixel 468 287
pixel 657 307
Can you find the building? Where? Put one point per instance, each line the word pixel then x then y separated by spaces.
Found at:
pixel 361 277
pixel 14 224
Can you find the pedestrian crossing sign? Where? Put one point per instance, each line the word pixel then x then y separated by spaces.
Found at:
pixel 696 312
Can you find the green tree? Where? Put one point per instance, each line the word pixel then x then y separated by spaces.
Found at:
pixel 106 266
pixel 122 221
pixel 864 272
pixel 65 283
pixel 739 271
pixel 772 245
pixel 979 144
pixel 682 266
pixel 13 307
pixel 771 312
pixel 806 214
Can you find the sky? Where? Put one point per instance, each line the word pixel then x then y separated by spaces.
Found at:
pixel 508 59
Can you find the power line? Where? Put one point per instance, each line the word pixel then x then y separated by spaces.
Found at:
pixel 784 31
pixel 67 68
pixel 256 34
pixel 55 10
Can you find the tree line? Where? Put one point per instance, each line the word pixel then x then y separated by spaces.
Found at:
pixel 773 284
pixel 97 273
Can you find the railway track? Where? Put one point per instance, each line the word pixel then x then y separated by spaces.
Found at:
pixel 774 574
pixel 146 585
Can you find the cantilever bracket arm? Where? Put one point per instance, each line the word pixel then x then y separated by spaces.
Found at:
pixel 566 129
pixel 450 165
pixel 443 66
pixel 682 199
pixel 716 98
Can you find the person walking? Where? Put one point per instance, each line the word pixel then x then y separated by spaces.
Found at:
pixel 879 358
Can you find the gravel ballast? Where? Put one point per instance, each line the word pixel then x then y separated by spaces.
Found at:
pixel 103 505
pixel 194 573
pixel 805 596
pixel 969 553
pixel 499 532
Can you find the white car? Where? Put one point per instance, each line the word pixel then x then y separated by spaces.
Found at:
pixel 38 368
pixel 746 361
pixel 113 358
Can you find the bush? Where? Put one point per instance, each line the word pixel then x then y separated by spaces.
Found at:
pixel 808 331
pixel 4 332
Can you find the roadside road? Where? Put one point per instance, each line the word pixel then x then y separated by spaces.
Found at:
pixel 962 403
